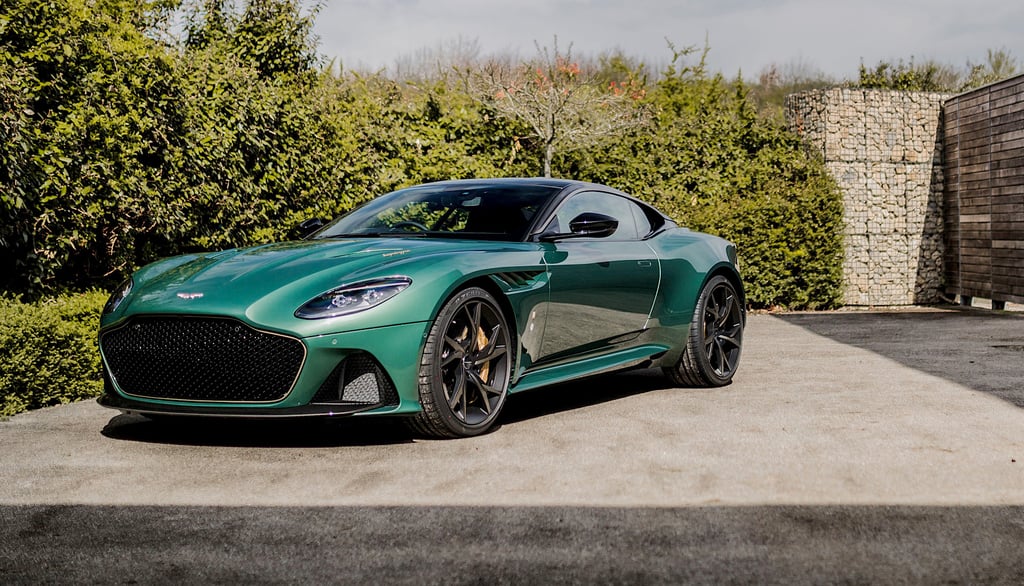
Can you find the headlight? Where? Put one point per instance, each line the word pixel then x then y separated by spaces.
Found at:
pixel 353 298
pixel 118 296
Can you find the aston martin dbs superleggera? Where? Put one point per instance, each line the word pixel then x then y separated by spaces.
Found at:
pixel 434 303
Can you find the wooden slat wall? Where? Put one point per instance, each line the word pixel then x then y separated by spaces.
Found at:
pixel 984 192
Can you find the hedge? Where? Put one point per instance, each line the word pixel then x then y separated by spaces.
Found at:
pixel 118 148
pixel 49 351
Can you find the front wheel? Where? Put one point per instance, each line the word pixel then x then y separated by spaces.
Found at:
pixel 713 347
pixel 465 369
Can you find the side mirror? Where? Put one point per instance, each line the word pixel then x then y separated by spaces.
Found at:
pixel 308 227
pixel 586 225
pixel 594 225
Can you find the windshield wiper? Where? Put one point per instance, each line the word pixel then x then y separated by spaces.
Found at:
pixel 376 235
pixel 356 235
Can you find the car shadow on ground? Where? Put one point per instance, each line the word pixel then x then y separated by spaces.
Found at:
pixel 582 393
pixel 976 348
pixel 303 433
pixel 366 431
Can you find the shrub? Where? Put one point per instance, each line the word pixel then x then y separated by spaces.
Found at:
pixel 117 149
pixel 48 351
pixel 715 165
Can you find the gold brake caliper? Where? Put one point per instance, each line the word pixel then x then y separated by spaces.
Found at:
pixel 481 343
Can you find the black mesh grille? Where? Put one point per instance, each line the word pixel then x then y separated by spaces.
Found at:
pixel 358 379
pixel 201 359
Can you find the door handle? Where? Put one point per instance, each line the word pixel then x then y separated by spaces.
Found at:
pixel 644 263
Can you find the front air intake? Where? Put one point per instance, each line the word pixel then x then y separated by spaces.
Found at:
pixel 357 380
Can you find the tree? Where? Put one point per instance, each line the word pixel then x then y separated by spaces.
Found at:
pixel 271 35
pixel 712 162
pixel 119 146
pixel 564 106
pixel 88 97
pixel 442 62
pixel 999 64
pixel 776 81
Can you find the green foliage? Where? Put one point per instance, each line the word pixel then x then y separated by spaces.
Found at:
pixel 49 351
pixel 932 76
pixel 273 36
pixel 911 77
pixel 999 64
pixel 717 166
pixel 117 148
pixel 93 97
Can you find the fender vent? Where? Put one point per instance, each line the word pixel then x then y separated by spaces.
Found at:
pixel 518 279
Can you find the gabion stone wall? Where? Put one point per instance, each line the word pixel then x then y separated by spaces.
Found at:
pixel 884 149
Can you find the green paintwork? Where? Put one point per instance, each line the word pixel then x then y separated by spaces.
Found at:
pixel 575 313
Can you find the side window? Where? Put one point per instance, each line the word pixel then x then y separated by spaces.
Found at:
pixel 603 203
pixel 643 224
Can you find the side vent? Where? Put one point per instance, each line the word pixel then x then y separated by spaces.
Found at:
pixel 518 279
pixel 357 380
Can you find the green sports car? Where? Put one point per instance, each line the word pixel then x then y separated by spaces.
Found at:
pixel 434 303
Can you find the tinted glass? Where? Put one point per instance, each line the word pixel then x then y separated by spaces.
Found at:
pixel 602 203
pixel 490 212
pixel 643 223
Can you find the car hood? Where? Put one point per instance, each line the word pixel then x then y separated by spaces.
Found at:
pixel 266 284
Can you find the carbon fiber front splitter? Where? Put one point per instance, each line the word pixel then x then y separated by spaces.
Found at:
pixel 130 406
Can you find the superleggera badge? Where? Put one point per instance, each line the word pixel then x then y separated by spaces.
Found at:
pixel 190 295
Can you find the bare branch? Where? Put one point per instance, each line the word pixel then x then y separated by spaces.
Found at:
pixel 565 107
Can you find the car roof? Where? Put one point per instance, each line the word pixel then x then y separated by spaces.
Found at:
pixel 512 181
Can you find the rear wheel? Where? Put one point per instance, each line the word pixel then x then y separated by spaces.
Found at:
pixel 465 368
pixel 713 347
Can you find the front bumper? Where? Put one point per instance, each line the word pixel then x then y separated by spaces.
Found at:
pixel 395 348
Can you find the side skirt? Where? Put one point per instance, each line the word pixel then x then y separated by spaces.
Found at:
pixel 610 362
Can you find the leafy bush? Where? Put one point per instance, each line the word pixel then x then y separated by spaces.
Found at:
pixel 715 165
pixel 933 76
pixel 118 148
pixel 48 351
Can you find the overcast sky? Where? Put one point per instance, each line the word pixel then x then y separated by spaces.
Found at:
pixel 829 35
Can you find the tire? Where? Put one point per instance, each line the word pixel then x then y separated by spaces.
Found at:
pixel 715 340
pixel 465 367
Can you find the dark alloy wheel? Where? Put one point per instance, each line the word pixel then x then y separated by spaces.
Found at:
pixel 713 347
pixel 465 368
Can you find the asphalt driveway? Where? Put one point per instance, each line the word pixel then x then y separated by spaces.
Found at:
pixel 852 447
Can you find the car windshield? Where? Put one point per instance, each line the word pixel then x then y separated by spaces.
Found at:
pixel 485 211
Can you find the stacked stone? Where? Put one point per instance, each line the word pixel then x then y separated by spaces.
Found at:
pixel 884 150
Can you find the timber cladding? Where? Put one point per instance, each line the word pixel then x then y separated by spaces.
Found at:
pixel 983 192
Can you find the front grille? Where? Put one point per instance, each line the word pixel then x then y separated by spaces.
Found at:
pixel 201 359
pixel 358 379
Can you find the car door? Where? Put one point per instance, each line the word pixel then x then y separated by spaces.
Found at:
pixel 601 289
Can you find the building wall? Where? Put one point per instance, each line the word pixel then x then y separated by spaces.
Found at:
pixel 884 149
